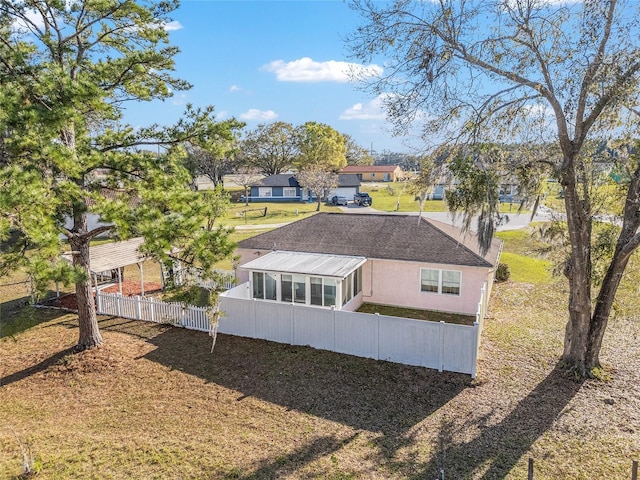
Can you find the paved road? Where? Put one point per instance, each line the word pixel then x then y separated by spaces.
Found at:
pixel 516 220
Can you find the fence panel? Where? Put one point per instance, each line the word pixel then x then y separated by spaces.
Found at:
pixel 314 327
pixel 459 353
pixel 413 342
pixel 274 321
pixel 357 334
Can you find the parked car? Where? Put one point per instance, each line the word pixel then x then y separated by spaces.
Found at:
pixel 338 200
pixel 363 199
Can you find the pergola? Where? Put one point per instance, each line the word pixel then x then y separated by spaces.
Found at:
pixel 114 256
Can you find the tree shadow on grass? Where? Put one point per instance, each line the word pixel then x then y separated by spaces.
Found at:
pixel 39 367
pixel 14 321
pixel 289 464
pixel 366 394
pixel 497 449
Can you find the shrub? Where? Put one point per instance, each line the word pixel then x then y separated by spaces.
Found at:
pixel 503 273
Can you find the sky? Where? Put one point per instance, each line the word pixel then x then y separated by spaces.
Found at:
pixel 267 61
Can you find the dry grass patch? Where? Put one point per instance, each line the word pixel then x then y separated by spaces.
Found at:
pixel 154 403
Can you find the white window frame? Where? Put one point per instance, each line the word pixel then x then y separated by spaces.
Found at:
pixel 264 192
pixel 289 192
pixel 440 275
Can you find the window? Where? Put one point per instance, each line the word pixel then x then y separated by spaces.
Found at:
pixel 286 288
pixel 299 289
pixel 450 282
pixel 270 286
pixel 258 285
pixel 316 291
pixel 329 292
pixel 446 282
pixel 264 192
pixel 429 280
pixel 289 192
pixel 373 175
pixel 357 281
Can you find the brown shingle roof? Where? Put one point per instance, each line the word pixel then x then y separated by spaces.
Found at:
pixel 398 237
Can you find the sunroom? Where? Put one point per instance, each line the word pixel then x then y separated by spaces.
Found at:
pixel 313 279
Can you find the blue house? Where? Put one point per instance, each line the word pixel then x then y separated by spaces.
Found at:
pixel 285 188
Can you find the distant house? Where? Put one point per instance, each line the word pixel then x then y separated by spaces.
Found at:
pixel 375 173
pixel 343 260
pixel 285 188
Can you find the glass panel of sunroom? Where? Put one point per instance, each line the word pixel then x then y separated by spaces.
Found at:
pixel 285 286
pixel 300 289
pixel 329 292
pixel 316 290
pixel 258 285
pixel 270 286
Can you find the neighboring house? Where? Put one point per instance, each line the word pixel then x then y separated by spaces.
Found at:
pixel 343 260
pixel 285 188
pixel 375 173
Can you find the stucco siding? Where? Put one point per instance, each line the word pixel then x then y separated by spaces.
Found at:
pixel 391 282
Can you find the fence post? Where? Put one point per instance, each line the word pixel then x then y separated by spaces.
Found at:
pixel 530 470
pixel 152 312
pixel 118 306
pixel 99 301
pixel 476 348
pixel 441 353
pixel 378 335
pixel 293 324
pixel 634 470
pixel 138 308
pixel 333 317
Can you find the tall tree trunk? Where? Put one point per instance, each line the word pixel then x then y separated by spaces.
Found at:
pixel 603 307
pixel 578 271
pixel 89 332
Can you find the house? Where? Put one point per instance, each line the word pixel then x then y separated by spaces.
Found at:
pixel 375 173
pixel 285 188
pixel 343 260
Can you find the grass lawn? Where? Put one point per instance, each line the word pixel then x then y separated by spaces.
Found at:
pixel 155 403
pixel 393 197
pixel 429 315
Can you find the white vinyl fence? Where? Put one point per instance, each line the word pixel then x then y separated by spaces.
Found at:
pixel 437 345
pixel 152 310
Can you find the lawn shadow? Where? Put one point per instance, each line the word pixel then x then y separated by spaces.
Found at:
pixel 498 448
pixel 365 394
pixel 289 464
pixel 14 321
pixel 39 367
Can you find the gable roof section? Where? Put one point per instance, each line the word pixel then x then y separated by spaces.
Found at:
pixel 386 236
pixel 369 168
pixel 289 180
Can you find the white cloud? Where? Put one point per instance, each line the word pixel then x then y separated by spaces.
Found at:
pixel 179 99
pixel 172 26
pixel 234 88
pixel 33 19
pixel 369 111
pixel 307 70
pixel 255 114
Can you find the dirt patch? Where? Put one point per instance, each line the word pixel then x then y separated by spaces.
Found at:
pixel 130 288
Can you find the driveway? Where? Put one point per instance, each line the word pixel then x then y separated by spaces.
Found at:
pixel 515 221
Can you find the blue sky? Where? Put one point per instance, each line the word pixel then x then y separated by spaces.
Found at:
pixel 265 61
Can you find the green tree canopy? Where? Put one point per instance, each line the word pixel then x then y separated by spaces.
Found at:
pixel 270 148
pixel 552 76
pixel 66 71
pixel 319 144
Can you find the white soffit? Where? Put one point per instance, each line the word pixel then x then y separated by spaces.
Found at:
pixel 319 264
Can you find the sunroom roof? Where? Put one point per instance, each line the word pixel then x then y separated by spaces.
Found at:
pixel 306 263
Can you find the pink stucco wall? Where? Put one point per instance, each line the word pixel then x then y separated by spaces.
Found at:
pixel 395 282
